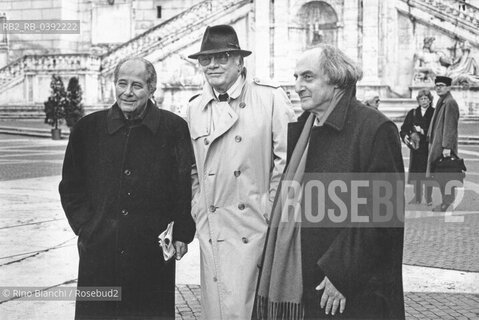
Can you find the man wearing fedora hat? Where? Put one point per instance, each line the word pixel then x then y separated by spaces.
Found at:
pixel 238 129
pixel 442 135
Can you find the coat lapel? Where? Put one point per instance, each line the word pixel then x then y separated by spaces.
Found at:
pixel 435 117
pixel 227 120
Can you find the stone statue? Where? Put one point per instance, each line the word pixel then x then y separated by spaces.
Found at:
pixel 429 63
pixel 465 69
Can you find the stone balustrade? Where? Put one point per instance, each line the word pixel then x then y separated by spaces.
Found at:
pixel 463 12
pixel 48 63
pixel 11 71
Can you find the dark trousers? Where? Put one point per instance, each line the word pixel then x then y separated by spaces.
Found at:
pixel 448 195
pixel 419 185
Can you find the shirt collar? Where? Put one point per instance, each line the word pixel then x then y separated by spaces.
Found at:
pixel 209 93
pixel 149 118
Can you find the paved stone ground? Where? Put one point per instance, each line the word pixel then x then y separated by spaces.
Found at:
pixel 433 242
pixel 441 306
pixel 188 302
pixel 419 305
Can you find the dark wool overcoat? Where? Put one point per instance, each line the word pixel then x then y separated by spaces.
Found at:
pixel 443 132
pixel 418 157
pixel 363 263
pixel 122 184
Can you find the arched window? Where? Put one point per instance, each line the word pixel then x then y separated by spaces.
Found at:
pixel 316 22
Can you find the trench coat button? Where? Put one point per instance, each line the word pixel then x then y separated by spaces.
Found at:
pixel 123 252
pixel 210 241
pixel 129 194
pixel 237 173
pixel 242 105
pixel 212 208
pixel 241 206
pixel 215 279
pixel 245 240
pixel 127 172
pixel 124 212
pixel 207 142
pixel 238 138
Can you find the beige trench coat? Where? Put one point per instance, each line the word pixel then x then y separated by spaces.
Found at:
pixel 238 168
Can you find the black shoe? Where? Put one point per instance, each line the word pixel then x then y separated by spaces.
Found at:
pixel 441 208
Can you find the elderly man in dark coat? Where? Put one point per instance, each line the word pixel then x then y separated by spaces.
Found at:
pixel 442 136
pixel 126 176
pixel 322 270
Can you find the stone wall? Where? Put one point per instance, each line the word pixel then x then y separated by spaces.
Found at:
pixel 22 44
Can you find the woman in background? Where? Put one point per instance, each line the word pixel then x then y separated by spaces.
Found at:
pixel 413 133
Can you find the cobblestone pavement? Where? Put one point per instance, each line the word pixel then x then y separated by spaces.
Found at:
pixel 441 306
pixel 433 242
pixel 188 302
pixel 419 305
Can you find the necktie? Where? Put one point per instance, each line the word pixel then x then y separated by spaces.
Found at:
pixel 223 97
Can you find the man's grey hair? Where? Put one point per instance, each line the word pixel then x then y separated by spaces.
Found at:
pixel 339 68
pixel 151 79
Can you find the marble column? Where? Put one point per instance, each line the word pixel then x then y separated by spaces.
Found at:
pixel 371 42
pixel 283 63
pixel 349 42
pixel 261 37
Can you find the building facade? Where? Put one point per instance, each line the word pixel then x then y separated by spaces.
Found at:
pixel 386 38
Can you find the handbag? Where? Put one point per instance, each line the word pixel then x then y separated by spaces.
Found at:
pixel 414 140
pixel 450 168
pixel 414 137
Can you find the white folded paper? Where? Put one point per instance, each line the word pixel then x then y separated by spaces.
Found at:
pixel 165 239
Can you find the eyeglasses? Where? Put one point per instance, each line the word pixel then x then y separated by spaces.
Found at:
pixel 440 85
pixel 221 58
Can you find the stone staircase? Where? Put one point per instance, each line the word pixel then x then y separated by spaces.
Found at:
pixel 177 32
pixel 155 44
pixel 445 15
pixel 22 112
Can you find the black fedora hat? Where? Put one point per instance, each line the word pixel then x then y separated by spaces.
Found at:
pixel 221 38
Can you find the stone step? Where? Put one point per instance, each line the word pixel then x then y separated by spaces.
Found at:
pixel 35 111
pixel 31 132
